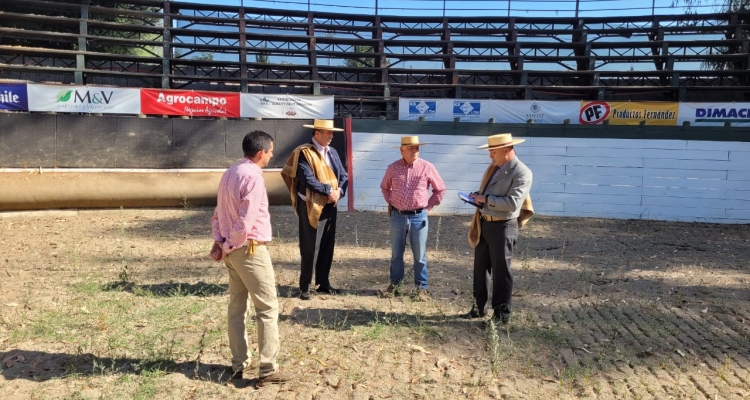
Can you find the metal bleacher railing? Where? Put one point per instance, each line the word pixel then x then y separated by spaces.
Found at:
pixel 369 57
pixel 507 8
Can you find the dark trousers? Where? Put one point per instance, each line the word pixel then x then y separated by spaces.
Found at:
pixel 492 258
pixel 316 246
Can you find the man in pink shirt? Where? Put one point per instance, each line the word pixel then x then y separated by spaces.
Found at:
pixel 241 227
pixel 406 188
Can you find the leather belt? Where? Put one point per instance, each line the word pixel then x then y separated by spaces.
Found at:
pixel 490 218
pixel 411 212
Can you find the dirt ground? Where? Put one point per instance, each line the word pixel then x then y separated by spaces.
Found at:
pixel 126 304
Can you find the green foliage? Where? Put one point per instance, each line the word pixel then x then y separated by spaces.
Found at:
pixel 262 58
pixel 363 62
pixel 721 6
pixel 201 57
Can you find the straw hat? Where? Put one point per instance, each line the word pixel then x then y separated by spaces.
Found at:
pixel 500 140
pixel 410 141
pixel 323 124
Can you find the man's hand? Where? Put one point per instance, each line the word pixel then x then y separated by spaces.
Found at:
pixel 478 198
pixel 334 196
pixel 217 253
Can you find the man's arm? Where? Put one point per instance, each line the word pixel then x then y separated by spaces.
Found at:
pixel 518 192
pixel 343 175
pixel 249 193
pixel 386 185
pixel 305 172
pixel 438 187
pixel 216 253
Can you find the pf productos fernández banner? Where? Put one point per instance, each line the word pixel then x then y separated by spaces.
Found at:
pixel 628 113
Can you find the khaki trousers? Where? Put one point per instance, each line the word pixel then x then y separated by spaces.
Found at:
pixel 253 276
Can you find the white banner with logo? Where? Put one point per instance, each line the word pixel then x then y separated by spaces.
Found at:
pixel 503 111
pixel 539 112
pixel 714 114
pixel 84 99
pixel 466 110
pixel 288 106
pixel 428 109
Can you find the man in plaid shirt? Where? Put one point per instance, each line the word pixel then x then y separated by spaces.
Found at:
pixel 406 188
pixel 241 228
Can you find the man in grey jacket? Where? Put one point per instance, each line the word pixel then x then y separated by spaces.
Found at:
pixel 494 231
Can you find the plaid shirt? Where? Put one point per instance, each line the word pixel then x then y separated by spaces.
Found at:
pixel 241 207
pixel 406 186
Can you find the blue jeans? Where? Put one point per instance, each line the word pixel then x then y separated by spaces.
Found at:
pixel 415 228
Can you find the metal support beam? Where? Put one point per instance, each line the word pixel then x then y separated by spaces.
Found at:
pixel 83 31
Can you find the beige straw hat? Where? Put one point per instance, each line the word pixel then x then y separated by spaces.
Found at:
pixel 500 140
pixel 410 141
pixel 323 124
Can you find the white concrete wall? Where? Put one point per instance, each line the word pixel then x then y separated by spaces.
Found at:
pixel 673 180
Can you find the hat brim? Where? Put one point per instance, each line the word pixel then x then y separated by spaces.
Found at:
pixel 324 129
pixel 512 143
pixel 411 144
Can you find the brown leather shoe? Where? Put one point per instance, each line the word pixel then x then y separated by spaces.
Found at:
pixel 421 295
pixel 394 289
pixel 242 373
pixel 276 378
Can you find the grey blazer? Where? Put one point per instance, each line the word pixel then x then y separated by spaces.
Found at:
pixel 507 191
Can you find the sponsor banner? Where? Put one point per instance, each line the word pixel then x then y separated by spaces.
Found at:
pixel 192 103
pixel 289 106
pixel 13 97
pixel 714 114
pixel 466 110
pixel 503 111
pixel 413 109
pixel 84 99
pixel 628 113
pixel 471 110
pixel 539 112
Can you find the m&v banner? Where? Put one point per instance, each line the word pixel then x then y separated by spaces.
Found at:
pixel 84 99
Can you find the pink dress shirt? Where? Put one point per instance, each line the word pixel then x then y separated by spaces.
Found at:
pixel 241 207
pixel 406 186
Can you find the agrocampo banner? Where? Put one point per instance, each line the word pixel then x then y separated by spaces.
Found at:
pixel 190 102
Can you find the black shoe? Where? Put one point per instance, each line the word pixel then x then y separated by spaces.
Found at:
pixel 328 290
pixel 501 314
pixel 305 295
pixel 473 313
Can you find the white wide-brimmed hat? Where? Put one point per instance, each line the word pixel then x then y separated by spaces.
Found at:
pixel 324 125
pixel 410 141
pixel 500 140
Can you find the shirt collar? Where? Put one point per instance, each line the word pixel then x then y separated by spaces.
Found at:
pixel 246 160
pixel 407 165
pixel 318 146
pixel 506 165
